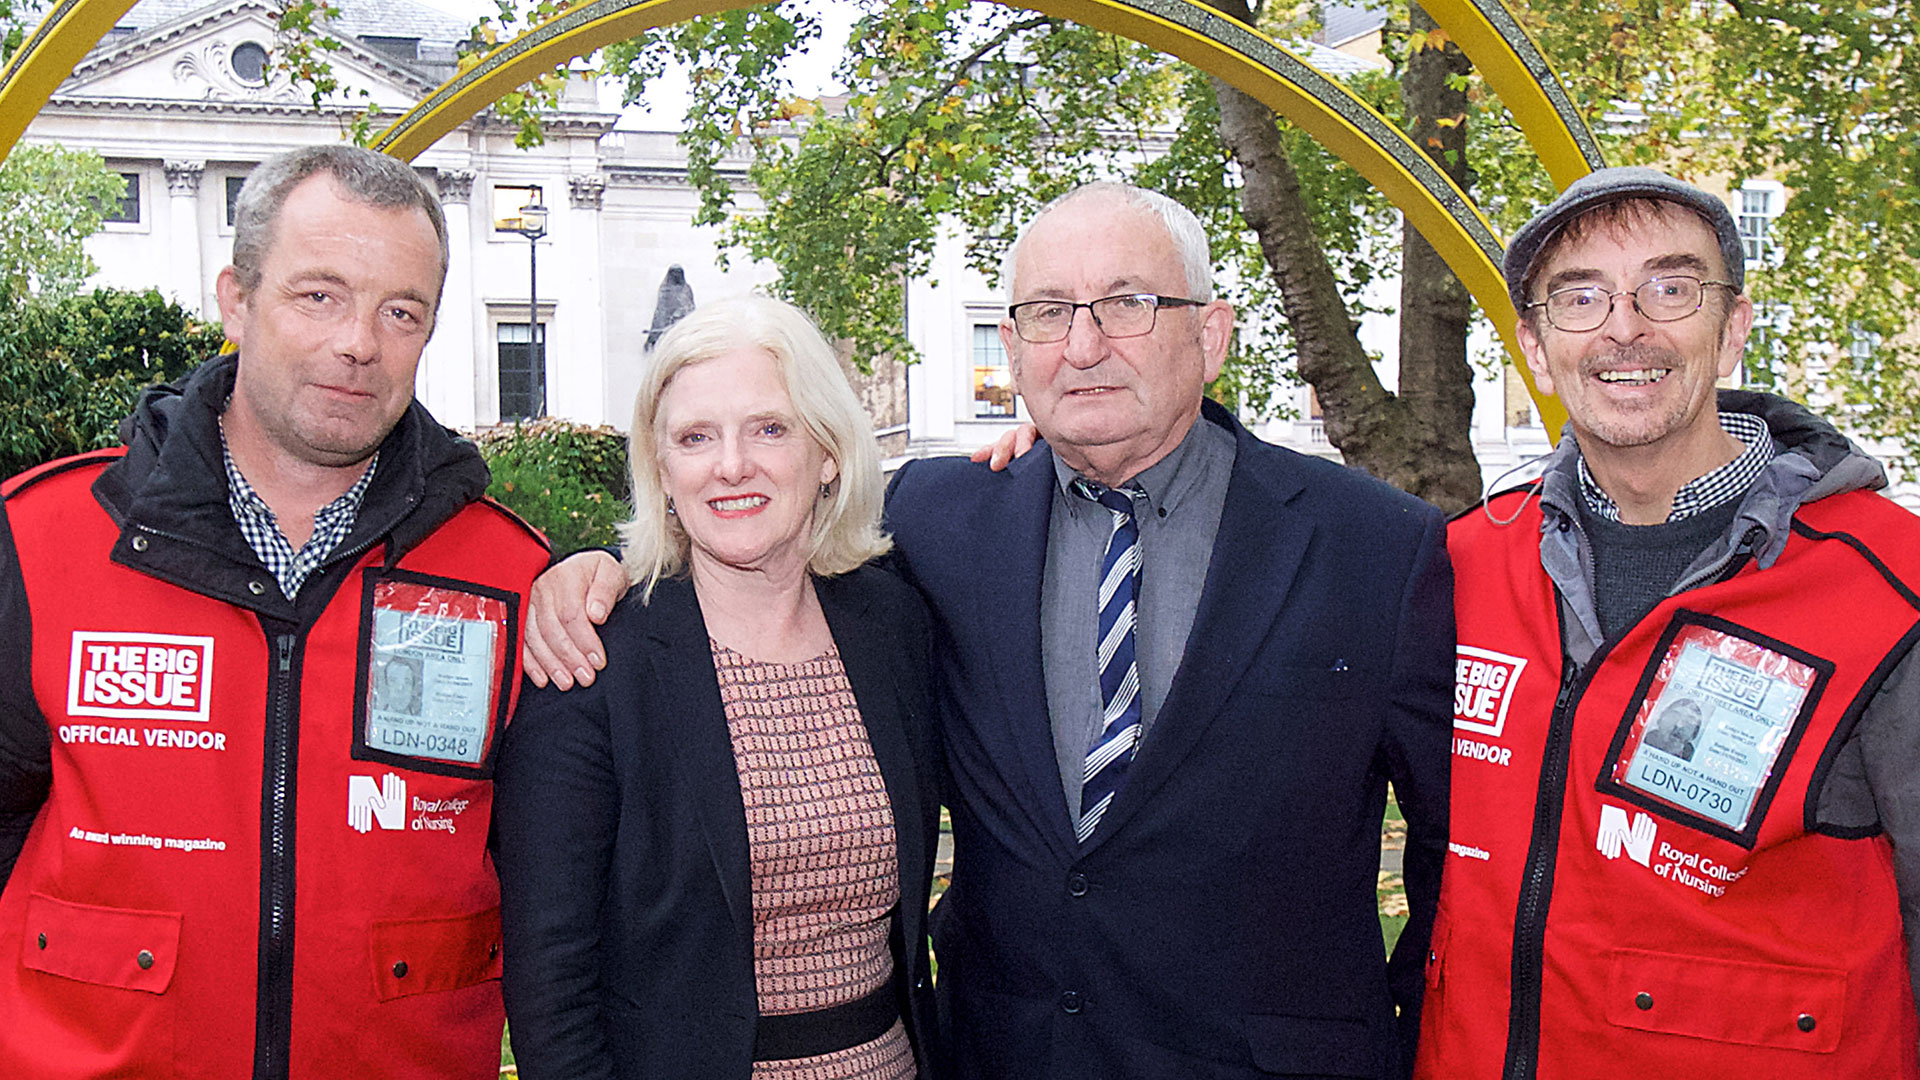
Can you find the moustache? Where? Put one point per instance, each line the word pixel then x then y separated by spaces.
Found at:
pixel 1632 357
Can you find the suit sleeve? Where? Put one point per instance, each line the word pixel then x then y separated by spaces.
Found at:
pixel 1888 741
pixel 1418 757
pixel 555 813
pixel 26 749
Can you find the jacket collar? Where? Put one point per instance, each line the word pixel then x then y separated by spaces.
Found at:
pixel 171 488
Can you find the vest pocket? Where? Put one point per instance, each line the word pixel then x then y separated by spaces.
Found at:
pixel 419 956
pixel 1735 1001
pixel 98 1001
pixel 131 950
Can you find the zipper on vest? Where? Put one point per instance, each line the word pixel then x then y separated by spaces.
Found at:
pixel 273 1011
pixel 1536 881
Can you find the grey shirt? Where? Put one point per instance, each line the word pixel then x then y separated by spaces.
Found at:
pixel 1185 493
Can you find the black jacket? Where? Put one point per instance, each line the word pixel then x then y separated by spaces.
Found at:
pixel 626 896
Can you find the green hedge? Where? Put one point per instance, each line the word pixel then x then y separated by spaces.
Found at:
pixel 569 480
pixel 71 368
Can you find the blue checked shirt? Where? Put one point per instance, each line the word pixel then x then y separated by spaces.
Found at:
pixel 330 525
pixel 1722 485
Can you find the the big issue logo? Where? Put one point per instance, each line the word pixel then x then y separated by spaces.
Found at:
pixel 131 676
pixel 1483 683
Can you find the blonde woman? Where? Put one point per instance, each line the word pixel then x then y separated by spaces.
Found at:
pixel 715 860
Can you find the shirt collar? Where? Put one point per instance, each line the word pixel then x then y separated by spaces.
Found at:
pixel 1164 483
pixel 1722 485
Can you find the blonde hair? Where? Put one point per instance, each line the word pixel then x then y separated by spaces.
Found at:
pixel 846 521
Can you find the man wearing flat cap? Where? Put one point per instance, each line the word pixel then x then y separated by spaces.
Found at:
pixel 1612 906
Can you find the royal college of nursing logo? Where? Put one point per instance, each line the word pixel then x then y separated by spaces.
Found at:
pixel 368 805
pixel 1483 682
pixel 139 676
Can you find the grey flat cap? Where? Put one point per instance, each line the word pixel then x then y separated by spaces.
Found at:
pixel 1604 186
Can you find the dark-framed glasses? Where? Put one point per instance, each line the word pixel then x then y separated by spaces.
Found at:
pixel 1123 316
pixel 1579 308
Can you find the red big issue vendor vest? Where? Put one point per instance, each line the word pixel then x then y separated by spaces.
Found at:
pixel 1644 895
pixel 133 922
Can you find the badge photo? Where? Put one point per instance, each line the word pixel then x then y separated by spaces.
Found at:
pixel 431 679
pixel 1712 726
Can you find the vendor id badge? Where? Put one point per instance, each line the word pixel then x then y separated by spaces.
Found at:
pixel 432 674
pixel 1709 736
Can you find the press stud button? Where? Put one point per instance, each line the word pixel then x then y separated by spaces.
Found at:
pixel 1806 1022
pixel 145 960
pixel 1643 1000
pixel 400 970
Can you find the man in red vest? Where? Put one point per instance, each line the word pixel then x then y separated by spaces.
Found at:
pixel 1686 716
pixel 223 854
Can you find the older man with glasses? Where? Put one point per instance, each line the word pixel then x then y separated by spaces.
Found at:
pixel 1687 723
pixel 1176 668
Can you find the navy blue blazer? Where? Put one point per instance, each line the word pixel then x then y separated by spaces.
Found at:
pixel 1221 923
pixel 625 889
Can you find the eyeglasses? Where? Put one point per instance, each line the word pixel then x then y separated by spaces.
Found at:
pixel 1581 308
pixel 1123 316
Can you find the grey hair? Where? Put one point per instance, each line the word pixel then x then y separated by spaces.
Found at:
pixel 846 521
pixel 1188 235
pixel 365 176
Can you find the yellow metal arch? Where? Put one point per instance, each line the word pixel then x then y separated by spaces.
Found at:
pixel 1193 32
pixel 44 60
pixel 1485 30
pixel 1513 65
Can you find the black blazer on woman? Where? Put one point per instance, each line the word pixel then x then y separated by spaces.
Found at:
pixel 623 841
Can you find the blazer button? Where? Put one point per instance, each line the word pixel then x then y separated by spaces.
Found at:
pixel 1070 1001
pixel 400 970
pixel 1805 1023
pixel 1643 1001
pixel 1076 884
pixel 145 960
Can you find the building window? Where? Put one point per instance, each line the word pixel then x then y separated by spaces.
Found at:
pixel 249 60
pixel 234 184
pixel 1862 346
pixel 126 209
pixel 523 378
pixel 507 202
pixel 992 379
pixel 1759 205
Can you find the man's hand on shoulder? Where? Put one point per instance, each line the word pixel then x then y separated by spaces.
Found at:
pixel 1015 442
pixel 564 606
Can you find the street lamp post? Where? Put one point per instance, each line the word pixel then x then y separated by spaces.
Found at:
pixel 533 226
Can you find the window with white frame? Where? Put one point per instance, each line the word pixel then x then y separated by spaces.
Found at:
pixel 522 372
pixel 1760 203
pixel 233 186
pixel 126 209
pixel 993 395
pixel 507 201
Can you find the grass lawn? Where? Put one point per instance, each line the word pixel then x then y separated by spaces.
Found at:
pixel 1392 889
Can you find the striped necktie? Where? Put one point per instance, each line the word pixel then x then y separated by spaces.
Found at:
pixel 1112 749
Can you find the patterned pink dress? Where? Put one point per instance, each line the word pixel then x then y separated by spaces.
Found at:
pixel 820 838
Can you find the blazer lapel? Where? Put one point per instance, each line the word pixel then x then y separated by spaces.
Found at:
pixel 866 655
pixel 1256 555
pixel 1015 549
pixel 683 670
